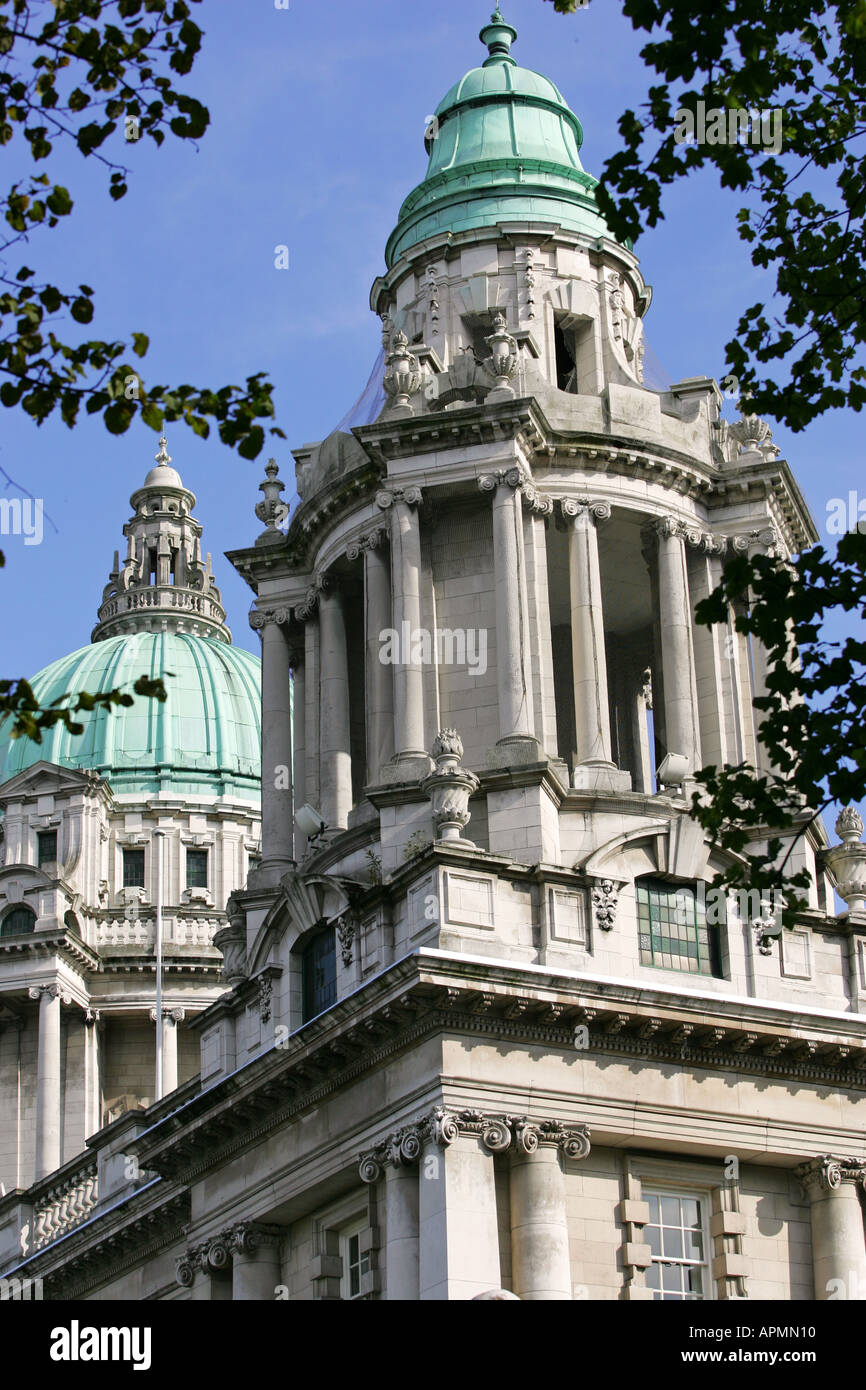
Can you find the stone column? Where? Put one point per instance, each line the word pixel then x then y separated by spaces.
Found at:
pixel 336 757
pixel 408 691
pixel 681 727
pixel 458 1228
pixel 277 823
pixel 255 1262
pixel 170 1020
pixel 92 1103
pixel 47 1080
pixel 838 1246
pixel 299 727
pixel 591 711
pixel 516 706
pixel 379 681
pixel 401 1233
pixel 540 1257
pixel 311 689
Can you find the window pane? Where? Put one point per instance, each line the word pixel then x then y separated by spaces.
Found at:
pixel 673 1246
pixel 652 1277
pixel 671 1211
pixel 673 932
pixel 47 847
pixel 133 868
pixel 18 922
pixel 319 968
pixel 196 868
pixel 695 1280
pixel 652 1236
pixel 654 1208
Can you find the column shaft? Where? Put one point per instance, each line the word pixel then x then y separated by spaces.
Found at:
pixel 299 730
pixel 408 673
pixel 591 711
pixel 514 685
pixel 677 656
pixel 336 757
pixel 838 1242
pixel 401 1233
pixel 256 1274
pixel 48 1083
pixel 458 1230
pixel 540 1259
pixel 379 683
pixel 276 748
pixel 169 1054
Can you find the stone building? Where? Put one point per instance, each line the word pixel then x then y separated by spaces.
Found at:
pixel 83 816
pixel 458 1051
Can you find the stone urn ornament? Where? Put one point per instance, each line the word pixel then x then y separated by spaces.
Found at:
pixel 449 788
pixel 846 862
pixel 403 376
pixel 503 360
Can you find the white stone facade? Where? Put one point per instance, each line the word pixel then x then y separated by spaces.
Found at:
pixel 478 1034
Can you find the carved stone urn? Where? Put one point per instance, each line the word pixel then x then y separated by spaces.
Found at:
pixel 449 788
pixel 503 360
pixel 846 863
pixel 272 510
pixel 403 376
pixel 232 941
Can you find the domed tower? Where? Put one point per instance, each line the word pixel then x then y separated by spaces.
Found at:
pixel 84 816
pixel 490 1027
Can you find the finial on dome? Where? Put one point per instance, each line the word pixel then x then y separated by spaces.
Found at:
pixel 163 458
pixel 499 35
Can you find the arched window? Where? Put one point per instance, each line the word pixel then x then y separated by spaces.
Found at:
pixel 319 972
pixel 673 932
pixel 18 922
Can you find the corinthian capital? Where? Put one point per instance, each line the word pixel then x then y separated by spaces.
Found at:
pixel 371 541
pixel 502 477
pixel 411 496
pixel 573 507
pixel 827 1173
pixel 261 617
pixel 320 585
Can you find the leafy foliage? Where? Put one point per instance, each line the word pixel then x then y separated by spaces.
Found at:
pixel 30 719
pixel 813 729
pixel 90 73
pixel 806 218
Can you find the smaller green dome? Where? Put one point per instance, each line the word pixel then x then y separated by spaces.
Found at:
pixel 504 146
pixel 204 740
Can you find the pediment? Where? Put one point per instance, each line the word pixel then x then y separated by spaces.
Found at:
pixel 305 902
pixel 47 779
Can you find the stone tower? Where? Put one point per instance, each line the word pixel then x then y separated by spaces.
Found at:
pixel 484 1029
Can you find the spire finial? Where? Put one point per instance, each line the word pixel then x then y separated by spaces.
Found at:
pixel 499 35
pixel 163 458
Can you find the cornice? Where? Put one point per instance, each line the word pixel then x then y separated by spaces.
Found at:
pixel 429 993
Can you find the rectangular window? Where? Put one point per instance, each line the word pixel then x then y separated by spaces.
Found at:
pixel 319 970
pixel 196 868
pixel 673 932
pixel 46 842
pixel 133 868
pixel 678 1238
pixel 356 1262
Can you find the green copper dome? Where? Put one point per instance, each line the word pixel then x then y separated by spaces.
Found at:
pixel 504 147
pixel 204 740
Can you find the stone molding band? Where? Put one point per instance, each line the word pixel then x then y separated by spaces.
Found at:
pixel 497 1133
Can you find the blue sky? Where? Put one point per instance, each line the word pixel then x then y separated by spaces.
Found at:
pixel 318 116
